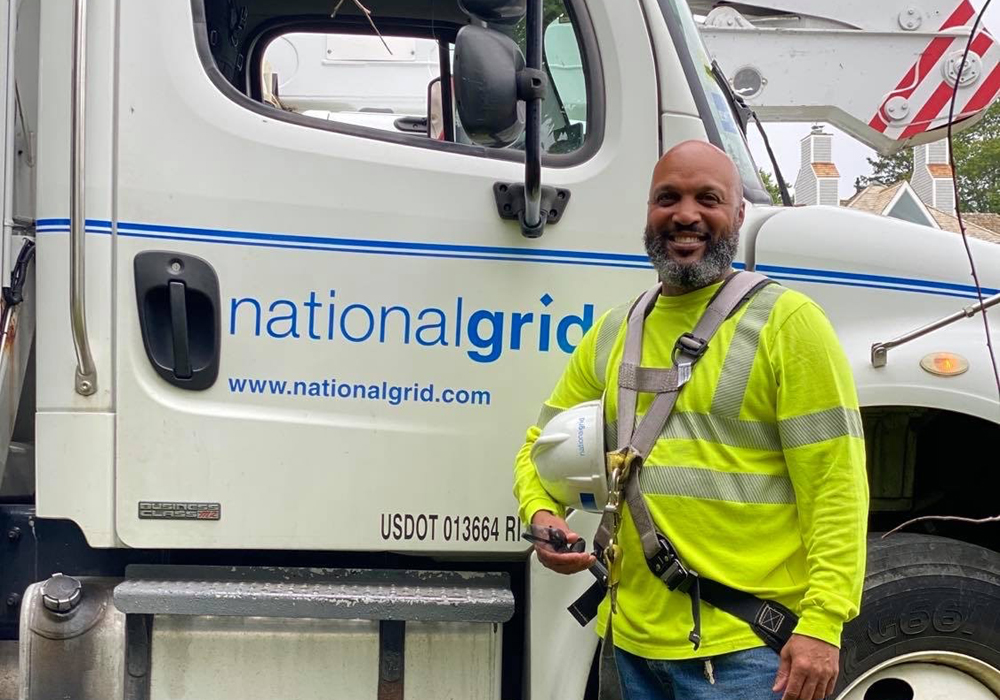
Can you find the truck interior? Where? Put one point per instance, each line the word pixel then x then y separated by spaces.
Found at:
pixel 245 42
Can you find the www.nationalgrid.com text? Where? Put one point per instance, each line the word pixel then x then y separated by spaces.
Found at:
pixel 393 394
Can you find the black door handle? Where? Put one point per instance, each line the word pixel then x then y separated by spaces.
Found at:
pixel 179 316
pixel 179 324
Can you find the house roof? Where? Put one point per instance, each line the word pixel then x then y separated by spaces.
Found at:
pixel 950 223
pixel 876 199
pixel 825 170
pixel 939 170
pixel 987 221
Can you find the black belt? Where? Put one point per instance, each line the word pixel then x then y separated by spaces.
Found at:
pixel 771 621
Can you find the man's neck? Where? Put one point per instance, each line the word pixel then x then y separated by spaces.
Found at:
pixel 669 290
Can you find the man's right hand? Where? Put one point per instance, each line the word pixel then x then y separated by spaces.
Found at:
pixel 565 563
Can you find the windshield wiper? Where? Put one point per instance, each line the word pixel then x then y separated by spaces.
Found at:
pixel 744 114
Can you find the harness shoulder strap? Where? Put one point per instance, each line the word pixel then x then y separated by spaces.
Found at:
pixel 739 288
pixel 690 347
pixel 771 621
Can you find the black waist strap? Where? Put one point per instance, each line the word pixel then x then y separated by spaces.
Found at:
pixel 771 621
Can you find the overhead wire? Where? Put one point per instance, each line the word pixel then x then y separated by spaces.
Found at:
pixel 958 193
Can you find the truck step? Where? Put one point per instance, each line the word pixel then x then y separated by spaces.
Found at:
pixel 429 596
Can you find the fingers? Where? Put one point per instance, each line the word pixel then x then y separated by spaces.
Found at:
pixel 565 562
pixel 781 680
pixel 568 563
pixel 807 682
pixel 796 679
pixel 544 518
pixel 830 686
pixel 808 691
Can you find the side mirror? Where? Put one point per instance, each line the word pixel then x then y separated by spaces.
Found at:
pixel 487 65
pixel 494 11
pixel 499 96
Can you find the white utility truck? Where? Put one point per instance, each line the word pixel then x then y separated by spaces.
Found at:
pixel 269 349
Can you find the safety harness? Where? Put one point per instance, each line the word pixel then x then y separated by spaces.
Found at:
pixel 771 621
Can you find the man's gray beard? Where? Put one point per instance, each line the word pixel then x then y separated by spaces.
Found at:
pixel 714 264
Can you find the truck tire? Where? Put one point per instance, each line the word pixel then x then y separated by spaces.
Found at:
pixel 929 625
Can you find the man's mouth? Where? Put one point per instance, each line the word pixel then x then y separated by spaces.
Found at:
pixel 686 242
pixel 687 238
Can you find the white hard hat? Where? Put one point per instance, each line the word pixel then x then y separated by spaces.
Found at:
pixel 570 459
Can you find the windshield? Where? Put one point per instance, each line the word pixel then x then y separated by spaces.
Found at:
pixel 715 108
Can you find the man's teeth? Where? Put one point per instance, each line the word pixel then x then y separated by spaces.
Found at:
pixel 688 239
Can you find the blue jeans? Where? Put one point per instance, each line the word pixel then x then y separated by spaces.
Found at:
pixel 742 675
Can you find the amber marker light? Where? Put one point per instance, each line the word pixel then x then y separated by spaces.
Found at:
pixel 945 364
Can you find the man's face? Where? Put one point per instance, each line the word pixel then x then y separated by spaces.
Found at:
pixel 694 216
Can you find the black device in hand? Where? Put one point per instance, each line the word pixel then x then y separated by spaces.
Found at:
pixel 556 539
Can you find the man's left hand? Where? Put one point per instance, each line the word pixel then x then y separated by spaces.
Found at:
pixel 808 669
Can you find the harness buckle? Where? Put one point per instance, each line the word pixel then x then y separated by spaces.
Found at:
pixel 691 345
pixel 667 566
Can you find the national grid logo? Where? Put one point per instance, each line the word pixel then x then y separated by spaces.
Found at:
pixel 318 317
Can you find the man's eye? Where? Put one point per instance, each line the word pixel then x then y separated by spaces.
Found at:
pixel 665 198
pixel 710 198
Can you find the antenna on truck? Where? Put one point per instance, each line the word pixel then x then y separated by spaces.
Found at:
pixel 983 304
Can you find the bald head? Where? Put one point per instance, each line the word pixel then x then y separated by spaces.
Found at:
pixel 702 156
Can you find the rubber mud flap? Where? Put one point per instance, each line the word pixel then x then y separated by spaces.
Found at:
pixel 924 593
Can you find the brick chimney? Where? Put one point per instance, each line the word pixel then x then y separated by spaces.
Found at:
pixel 818 180
pixel 932 176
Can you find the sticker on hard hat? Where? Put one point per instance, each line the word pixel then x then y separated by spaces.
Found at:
pixel 588 501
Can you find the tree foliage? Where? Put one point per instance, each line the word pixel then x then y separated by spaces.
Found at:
pixel 887 170
pixel 770 185
pixel 552 10
pixel 977 159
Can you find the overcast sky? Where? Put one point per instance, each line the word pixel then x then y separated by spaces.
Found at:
pixel 848 154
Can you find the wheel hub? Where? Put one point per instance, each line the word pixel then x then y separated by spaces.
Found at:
pixel 927 676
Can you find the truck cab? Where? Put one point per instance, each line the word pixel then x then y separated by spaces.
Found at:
pixel 289 331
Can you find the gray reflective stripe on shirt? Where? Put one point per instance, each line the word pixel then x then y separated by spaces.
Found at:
pixel 546 414
pixel 751 435
pixel 607 334
pixel 737 487
pixel 738 364
pixel 819 427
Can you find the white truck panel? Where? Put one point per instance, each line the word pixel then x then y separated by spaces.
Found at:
pixel 75 472
pixel 903 276
pixel 55 346
pixel 347 214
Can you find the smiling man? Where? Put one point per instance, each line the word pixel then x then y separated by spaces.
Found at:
pixel 758 478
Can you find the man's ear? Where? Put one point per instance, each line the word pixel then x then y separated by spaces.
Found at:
pixel 740 214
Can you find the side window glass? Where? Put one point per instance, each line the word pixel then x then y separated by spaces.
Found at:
pixel 392 83
pixel 564 110
pixel 352 78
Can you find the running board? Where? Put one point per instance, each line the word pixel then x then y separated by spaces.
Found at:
pixel 341 594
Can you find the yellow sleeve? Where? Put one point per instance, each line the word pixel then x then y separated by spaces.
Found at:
pixel 822 439
pixel 578 384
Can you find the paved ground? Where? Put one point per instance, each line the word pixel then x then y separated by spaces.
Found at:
pixel 8 670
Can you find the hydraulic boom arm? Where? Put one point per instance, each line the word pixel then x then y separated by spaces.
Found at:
pixel 883 72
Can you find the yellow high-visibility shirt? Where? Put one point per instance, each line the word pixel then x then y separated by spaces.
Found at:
pixel 758 478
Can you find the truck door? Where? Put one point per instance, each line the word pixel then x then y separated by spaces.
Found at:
pixel 326 336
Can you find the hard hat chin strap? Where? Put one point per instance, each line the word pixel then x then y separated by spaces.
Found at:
pixel 771 621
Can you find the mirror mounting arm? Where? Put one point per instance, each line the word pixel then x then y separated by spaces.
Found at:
pixel 531 86
pixel 532 83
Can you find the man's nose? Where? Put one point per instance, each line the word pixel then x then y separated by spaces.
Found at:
pixel 686 213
